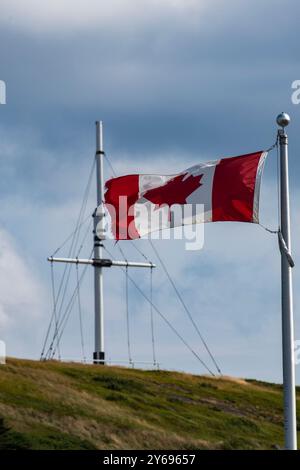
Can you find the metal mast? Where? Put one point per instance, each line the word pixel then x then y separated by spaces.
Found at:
pixel 98 262
pixel 290 424
pixel 98 355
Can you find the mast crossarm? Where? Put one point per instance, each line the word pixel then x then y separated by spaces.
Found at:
pixel 104 263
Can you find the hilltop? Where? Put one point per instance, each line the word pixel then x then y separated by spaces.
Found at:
pixel 55 405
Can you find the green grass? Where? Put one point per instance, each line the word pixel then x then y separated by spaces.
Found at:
pixel 53 405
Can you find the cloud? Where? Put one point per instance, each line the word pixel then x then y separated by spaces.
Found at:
pixel 161 83
pixel 21 294
pixel 65 16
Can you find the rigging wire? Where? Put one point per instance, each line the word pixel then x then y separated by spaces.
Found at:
pixel 80 316
pixel 67 270
pixel 281 242
pixel 151 317
pixel 70 236
pixel 275 231
pixel 278 184
pixel 165 319
pixel 74 243
pixel 127 318
pixel 139 251
pixel 110 165
pixel 267 229
pixel 274 145
pixel 88 230
pixel 61 284
pixel 54 306
pixel 53 316
pixel 184 306
pixel 151 310
pixel 66 315
pixel 121 251
pixel 127 305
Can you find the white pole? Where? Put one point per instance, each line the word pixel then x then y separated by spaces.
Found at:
pixel 99 356
pixel 290 425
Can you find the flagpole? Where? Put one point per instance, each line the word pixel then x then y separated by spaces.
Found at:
pixel 99 355
pixel 290 425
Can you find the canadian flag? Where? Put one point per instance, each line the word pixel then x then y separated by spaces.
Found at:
pixel 221 190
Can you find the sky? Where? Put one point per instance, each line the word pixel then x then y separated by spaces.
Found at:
pixel 176 82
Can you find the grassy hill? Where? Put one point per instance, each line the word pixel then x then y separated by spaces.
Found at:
pixel 53 405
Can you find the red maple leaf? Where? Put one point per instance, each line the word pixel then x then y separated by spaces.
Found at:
pixel 174 191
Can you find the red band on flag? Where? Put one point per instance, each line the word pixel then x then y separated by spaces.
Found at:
pixel 122 219
pixel 234 187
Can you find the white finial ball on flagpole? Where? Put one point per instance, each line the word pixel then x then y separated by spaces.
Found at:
pixel 283 119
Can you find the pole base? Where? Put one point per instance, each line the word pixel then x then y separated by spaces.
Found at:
pixel 99 357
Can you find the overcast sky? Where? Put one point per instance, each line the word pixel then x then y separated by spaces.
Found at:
pixel 176 82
